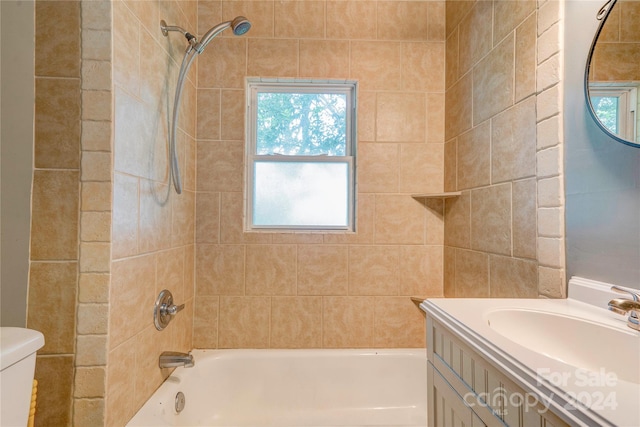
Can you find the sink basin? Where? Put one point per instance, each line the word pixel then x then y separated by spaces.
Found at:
pixel 574 341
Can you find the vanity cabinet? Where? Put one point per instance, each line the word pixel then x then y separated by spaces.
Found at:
pixel 465 390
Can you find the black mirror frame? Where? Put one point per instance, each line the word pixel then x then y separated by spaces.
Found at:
pixel 602 16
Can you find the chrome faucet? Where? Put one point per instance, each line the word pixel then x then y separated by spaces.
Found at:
pixel 173 359
pixel 625 306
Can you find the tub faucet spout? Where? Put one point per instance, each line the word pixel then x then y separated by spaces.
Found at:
pixel 173 359
pixel 630 307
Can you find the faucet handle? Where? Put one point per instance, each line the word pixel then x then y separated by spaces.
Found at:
pixel 634 296
pixel 173 309
pixel 164 310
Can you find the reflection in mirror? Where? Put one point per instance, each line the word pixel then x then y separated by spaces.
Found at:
pixel 612 77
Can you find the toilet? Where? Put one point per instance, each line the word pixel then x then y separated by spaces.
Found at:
pixel 18 348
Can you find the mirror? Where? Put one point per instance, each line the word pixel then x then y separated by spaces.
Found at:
pixel 612 76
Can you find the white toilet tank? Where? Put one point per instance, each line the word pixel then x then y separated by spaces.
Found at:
pixel 18 348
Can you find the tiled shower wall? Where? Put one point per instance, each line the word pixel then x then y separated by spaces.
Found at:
pixel 504 236
pixel 311 290
pixel 152 239
pixel 54 249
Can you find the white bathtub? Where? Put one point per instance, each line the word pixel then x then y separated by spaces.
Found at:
pixel 294 388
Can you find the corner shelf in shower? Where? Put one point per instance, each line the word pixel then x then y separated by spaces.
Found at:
pixel 446 195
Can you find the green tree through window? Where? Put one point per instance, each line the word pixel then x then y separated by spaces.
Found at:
pixel 302 124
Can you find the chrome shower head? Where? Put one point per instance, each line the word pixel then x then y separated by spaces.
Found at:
pixel 240 25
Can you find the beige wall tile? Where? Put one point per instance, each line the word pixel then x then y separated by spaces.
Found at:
pixel 378 168
pixel 208 121
pixel 232 115
pixel 374 270
pixel 421 271
pixel 398 323
pixel 421 168
pixel 457 221
pixel 435 117
pixel 474 157
pixel 154 222
pixel 96 136
pixel 120 402
pixel 423 66
pixel 299 19
pixel 54 220
pixel 452 57
pixel 525 73
pixel 471 274
pixel 207 217
pixel 513 142
pixel 57 52
pixel 96 166
pixel 92 318
pixel 491 219
pixel 96 196
pixel 95 226
pixel 551 282
pixel 270 270
pixel 450 165
pixel 94 287
pixel 126 49
pixel 221 166
pixel 406 20
pixel 400 117
pixel 148 344
pixel 57 123
pixel 133 286
pixel 225 63
pixel 508 15
pixel 513 278
pixel 244 322
pixel 376 65
pixel 435 221
pixel 475 35
pixel 366 116
pixel 273 58
pixel 296 322
pixel 351 20
pixel 493 85
pixel 54 374
pixel 459 107
pixel 205 322
pixel 437 16
pixel 220 270
pixel 183 219
pixel 88 412
pixel 322 270
pixel 324 58
pixel 96 43
pixel 170 268
pixel 91 350
pixel 455 11
pixel 347 322
pixel 89 382
pixel 524 218
pixel 125 216
pixel 400 219
pixel 449 273
pixel 52 299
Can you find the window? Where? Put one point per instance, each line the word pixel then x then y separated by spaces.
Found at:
pixel 615 107
pixel 300 155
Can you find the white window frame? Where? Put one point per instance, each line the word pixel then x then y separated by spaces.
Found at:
pixel 257 85
pixel 627 105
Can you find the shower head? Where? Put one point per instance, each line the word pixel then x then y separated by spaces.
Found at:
pixel 240 25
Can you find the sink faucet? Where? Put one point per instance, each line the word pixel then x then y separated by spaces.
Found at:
pixel 172 359
pixel 623 306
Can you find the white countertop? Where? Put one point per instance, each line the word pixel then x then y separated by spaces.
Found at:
pixel 607 400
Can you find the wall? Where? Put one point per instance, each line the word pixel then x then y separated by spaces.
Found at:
pixel 603 176
pixel 17 156
pixel 504 234
pixel 152 238
pixel 55 218
pixel 311 290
